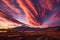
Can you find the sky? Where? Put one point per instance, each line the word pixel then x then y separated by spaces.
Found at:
pixel 38 13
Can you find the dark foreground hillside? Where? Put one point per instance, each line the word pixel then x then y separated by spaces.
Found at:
pixel 45 34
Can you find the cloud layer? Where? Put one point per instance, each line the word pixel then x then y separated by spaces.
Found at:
pixel 42 13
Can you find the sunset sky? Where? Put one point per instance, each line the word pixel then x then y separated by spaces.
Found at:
pixel 42 13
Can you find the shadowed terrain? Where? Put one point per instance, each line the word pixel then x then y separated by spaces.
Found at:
pixel 52 33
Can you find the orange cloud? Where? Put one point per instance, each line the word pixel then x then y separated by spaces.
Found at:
pixel 27 7
pixel 11 6
pixel 5 20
